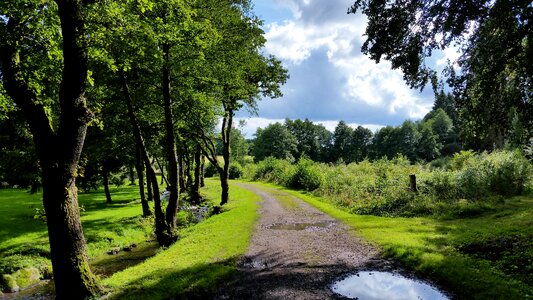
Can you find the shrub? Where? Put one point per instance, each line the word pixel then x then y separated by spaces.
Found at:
pixel 273 170
pixel 306 176
pixel 235 170
pixel 210 170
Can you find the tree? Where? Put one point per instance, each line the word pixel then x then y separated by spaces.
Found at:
pixel 361 141
pixel 29 60
pixel 312 140
pixel 428 147
pixel 241 71
pixel 342 142
pixel 496 66
pixel 276 141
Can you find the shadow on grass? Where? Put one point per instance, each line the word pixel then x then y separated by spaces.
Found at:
pixel 197 282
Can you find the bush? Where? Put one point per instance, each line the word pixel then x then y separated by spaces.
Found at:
pixel 306 176
pixel 235 170
pixel 210 170
pixel 273 170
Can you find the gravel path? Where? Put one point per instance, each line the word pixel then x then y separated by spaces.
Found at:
pixel 296 252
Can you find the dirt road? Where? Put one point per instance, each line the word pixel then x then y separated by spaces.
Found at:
pixel 296 252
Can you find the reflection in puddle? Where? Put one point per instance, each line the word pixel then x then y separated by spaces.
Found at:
pixel 301 226
pixel 384 285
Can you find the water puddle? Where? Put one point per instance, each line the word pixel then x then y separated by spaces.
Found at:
pixel 385 285
pixel 301 226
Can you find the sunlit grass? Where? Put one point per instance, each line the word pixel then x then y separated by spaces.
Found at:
pixel 203 257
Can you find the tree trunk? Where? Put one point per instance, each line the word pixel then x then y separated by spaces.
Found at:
pixel 59 152
pixel 163 177
pixel 105 175
pixel 202 170
pixel 140 174
pixel 150 194
pixel 170 146
pixel 195 193
pixel 160 227
pixel 181 170
pixel 227 122
pixel 132 176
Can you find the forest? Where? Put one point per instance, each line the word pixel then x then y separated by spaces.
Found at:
pixel 125 175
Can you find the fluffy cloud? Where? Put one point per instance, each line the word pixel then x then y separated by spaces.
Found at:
pixel 330 78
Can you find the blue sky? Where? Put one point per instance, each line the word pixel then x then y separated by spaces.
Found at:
pixel 331 80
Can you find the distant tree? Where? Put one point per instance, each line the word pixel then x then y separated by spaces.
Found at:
pixel 408 140
pixel 276 141
pixel 428 147
pixel 312 140
pixel 342 142
pixel 361 141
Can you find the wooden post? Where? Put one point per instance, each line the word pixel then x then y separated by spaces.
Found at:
pixel 412 181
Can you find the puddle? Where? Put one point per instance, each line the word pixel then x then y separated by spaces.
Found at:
pixel 301 226
pixel 385 285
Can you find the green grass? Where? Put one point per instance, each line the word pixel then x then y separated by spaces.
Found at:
pixel 457 253
pixel 105 225
pixel 204 256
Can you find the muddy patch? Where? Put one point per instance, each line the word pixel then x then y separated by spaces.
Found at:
pixel 302 226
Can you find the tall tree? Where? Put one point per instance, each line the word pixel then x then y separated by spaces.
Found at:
pixel 28 39
pixel 241 71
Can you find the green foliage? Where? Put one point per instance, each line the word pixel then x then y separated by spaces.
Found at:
pixel 235 170
pixel 210 170
pixel 306 176
pixel 462 187
pixel 276 141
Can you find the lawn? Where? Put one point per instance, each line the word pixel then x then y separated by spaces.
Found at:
pixel 205 254
pixel 483 257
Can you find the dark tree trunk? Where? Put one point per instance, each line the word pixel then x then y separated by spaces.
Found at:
pixel 227 122
pixel 202 170
pixel 139 166
pixel 149 191
pixel 163 177
pixel 105 175
pixel 181 170
pixel 195 193
pixel 132 176
pixel 59 152
pixel 170 146
pixel 188 170
pixel 160 227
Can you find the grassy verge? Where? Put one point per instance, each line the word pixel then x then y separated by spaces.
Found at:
pixel 205 255
pixel 484 257
pixel 106 226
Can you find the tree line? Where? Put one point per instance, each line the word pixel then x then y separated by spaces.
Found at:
pixel 436 135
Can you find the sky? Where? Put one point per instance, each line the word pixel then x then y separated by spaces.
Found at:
pixel 330 79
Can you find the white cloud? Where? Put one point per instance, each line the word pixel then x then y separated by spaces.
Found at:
pixel 324 28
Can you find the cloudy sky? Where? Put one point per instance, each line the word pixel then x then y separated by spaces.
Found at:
pixel 330 79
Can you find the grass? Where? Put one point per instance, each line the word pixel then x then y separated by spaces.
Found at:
pixel 105 225
pixel 459 254
pixel 204 256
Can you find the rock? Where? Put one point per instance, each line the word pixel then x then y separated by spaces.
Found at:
pixel 27 276
pixel 127 249
pixel 113 251
pixel 133 245
pixel 9 284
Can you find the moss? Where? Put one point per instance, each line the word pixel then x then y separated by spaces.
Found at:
pixel 9 284
pixel 27 276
